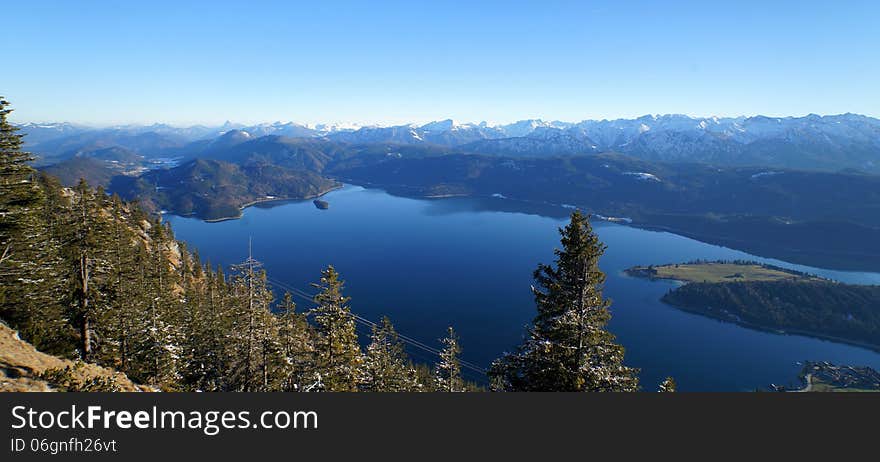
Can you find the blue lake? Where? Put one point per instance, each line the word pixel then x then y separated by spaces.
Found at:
pixel 468 262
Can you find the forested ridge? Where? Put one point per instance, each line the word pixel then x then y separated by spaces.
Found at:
pixel 86 275
pixel 212 189
pixel 823 308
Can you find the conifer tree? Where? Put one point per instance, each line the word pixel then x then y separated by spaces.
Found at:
pixel 206 361
pixel 48 282
pixel 19 195
pixel 196 368
pixel 86 254
pixel 567 347
pixel 161 325
pixel 298 348
pixel 339 355
pixel 424 377
pixel 386 366
pixel 122 300
pixel 218 327
pixel 668 385
pixel 447 374
pixel 253 353
pixel 29 282
pixel 141 343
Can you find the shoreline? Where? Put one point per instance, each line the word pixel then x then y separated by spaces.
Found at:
pixel 264 200
pixel 747 246
pixel 828 261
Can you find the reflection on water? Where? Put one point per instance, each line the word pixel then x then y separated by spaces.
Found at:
pixel 468 262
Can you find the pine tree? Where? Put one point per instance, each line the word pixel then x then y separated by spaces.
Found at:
pixel 87 259
pixel 160 324
pixel 254 355
pixel 568 347
pixel 447 374
pixel 339 354
pixel 217 330
pixel 19 194
pixel 424 377
pixel 668 385
pixel 197 351
pixel 206 358
pixel 141 342
pixel 386 366
pixel 122 300
pixel 298 348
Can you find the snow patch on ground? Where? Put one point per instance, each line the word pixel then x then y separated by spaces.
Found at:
pixel 613 219
pixel 764 174
pixel 643 176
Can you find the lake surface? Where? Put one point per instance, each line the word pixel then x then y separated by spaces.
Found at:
pixel 467 262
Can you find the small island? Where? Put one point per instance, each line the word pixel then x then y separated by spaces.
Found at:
pixel 771 298
pixel 323 205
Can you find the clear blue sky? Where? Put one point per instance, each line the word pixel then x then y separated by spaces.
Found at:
pixel 388 62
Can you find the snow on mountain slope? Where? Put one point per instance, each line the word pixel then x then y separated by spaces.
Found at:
pixel 812 141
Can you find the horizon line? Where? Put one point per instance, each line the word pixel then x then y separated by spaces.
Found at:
pixel 357 125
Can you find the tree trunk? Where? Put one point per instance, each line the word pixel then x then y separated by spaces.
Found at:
pixel 84 303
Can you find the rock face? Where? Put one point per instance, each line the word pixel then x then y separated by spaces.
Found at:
pixel 23 368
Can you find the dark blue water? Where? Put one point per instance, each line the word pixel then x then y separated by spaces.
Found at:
pixel 467 263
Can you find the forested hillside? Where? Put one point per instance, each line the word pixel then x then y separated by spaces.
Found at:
pixel 85 275
pixel 822 308
pixel 89 276
pixel 212 189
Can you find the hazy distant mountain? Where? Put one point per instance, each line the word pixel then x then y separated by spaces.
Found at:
pixel 829 142
pixel 444 132
pixel 115 154
pixel 289 129
pixel 541 142
pixel 41 132
pixel 297 153
pixel 225 141
pixel 813 142
pixel 403 134
pixel 526 127
pixel 147 144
